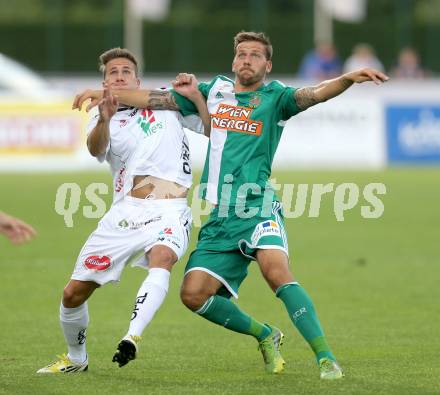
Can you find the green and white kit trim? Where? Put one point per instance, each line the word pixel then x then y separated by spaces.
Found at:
pixel 218 136
pixel 275 229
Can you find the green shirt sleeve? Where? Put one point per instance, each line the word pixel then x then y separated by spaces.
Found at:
pixel 287 104
pixel 186 106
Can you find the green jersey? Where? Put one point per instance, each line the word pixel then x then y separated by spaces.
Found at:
pixel 246 128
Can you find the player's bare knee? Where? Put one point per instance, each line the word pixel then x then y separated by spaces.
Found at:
pixel 192 298
pixel 277 276
pixel 161 256
pixel 70 298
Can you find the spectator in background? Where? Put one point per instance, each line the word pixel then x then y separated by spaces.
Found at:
pixel 362 56
pixel 321 63
pixel 15 230
pixel 408 65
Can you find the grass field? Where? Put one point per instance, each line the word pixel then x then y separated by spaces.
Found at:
pixel 375 283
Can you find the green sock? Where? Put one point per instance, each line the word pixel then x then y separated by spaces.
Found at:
pixel 303 315
pixel 222 311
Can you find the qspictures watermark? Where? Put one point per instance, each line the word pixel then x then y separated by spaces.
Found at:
pixel 298 200
pixel 68 197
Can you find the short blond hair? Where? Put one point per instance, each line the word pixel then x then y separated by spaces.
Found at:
pixel 254 36
pixel 114 53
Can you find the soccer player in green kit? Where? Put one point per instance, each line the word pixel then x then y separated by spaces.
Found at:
pixel 247 121
pixel 247 223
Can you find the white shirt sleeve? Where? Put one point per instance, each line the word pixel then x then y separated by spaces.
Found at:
pixel 192 122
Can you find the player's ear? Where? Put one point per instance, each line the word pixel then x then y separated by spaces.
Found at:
pixel 268 66
pixel 233 65
pixel 138 81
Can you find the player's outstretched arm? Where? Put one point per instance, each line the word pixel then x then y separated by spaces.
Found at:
pixel 139 98
pixel 309 96
pixel 15 229
pixel 187 85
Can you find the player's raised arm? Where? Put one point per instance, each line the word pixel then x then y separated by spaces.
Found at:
pixel 139 98
pixel 187 85
pixel 311 95
pixel 98 139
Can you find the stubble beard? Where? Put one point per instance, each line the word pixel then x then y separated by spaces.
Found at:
pixel 252 80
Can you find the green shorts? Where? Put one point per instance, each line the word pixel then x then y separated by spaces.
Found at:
pixel 227 244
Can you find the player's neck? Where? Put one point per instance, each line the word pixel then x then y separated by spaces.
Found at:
pixel 250 88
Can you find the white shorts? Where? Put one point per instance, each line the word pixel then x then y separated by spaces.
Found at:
pixel 127 231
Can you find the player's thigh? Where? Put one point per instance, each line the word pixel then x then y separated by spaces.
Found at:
pixel 274 266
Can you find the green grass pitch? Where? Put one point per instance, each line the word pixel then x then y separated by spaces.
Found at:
pixel 375 283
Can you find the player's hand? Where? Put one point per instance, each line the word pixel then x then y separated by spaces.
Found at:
pixel 94 96
pixel 15 229
pixel 186 85
pixel 108 105
pixel 367 74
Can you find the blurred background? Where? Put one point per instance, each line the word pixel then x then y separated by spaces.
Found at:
pixel 61 40
pixel 65 37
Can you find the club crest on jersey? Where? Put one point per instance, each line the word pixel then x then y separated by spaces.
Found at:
pixel 236 119
pixel 255 101
pixel 99 263
pixel 148 123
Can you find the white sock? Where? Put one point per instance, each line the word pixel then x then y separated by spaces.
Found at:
pixel 150 297
pixel 74 322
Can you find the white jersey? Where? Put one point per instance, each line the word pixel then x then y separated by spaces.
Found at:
pixel 147 142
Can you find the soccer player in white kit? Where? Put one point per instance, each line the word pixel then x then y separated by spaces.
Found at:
pixel 149 221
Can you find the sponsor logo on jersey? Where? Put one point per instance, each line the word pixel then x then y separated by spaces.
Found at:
pixel 99 263
pixel 166 231
pixel 148 123
pixel 236 119
pixel 185 156
pixel 133 113
pixel 119 182
pixel 266 228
